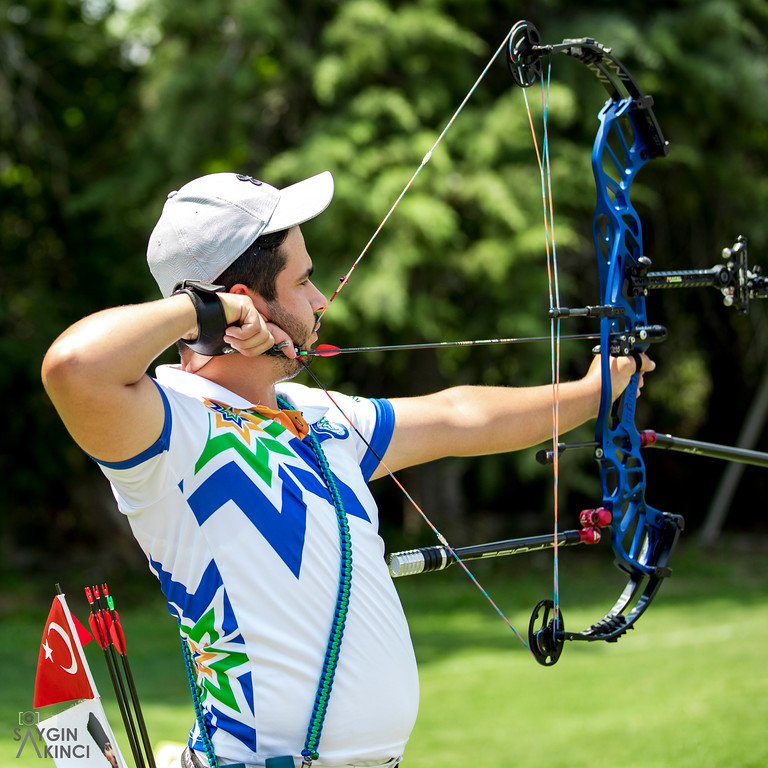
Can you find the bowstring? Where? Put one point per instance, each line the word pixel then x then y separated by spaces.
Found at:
pixel 553 285
pixel 418 508
pixel 344 280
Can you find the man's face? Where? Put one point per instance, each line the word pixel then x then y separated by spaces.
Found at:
pixel 109 753
pixel 299 302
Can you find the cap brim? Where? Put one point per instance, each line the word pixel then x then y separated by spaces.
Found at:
pixel 301 202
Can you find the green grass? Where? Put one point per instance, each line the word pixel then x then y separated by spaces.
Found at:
pixel 687 687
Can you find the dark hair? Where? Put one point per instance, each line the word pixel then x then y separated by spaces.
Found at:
pixel 258 266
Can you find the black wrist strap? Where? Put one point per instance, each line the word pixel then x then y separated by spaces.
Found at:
pixel 211 320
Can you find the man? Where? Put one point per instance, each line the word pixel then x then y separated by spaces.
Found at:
pixel 249 495
pixel 99 735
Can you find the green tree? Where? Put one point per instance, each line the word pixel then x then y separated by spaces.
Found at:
pixel 106 110
pixel 66 96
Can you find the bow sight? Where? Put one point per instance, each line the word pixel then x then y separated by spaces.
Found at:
pixel 734 279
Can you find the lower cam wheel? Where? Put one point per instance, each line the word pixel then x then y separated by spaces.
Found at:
pixel 546 635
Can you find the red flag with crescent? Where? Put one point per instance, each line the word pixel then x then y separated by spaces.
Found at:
pixel 62 671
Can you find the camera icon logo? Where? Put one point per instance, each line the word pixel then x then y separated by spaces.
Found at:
pixel 29 718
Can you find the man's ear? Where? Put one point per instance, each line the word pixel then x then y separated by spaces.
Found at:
pixel 241 290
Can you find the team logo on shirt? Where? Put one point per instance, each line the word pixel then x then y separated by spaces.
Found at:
pixel 330 429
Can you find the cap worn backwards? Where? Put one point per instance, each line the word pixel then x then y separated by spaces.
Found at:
pixel 210 221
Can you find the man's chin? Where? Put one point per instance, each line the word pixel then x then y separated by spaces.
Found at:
pixel 290 369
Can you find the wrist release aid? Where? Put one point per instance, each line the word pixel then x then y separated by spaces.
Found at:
pixel 211 320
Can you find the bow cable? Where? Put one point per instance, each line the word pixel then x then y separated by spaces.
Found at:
pixel 543 159
pixel 555 338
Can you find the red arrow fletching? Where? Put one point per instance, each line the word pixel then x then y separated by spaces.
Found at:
pixel 116 634
pixel 325 350
pixel 99 630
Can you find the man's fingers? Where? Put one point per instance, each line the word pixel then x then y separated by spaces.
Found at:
pixel 646 364
pixel 250 334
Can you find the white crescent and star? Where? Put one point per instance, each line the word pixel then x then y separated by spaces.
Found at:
pixel 72 668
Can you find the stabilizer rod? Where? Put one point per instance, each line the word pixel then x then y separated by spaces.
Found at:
pixel 651 439
pixel 438 558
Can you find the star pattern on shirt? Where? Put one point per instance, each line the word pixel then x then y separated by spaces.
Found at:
pixel 229 417
pixel 213 665
pixel 203 660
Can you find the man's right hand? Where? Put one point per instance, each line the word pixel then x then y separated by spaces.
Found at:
pixel 248 331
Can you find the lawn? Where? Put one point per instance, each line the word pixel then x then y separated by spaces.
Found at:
pixel 688 687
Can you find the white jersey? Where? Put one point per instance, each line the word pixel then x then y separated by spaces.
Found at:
pixel 237 523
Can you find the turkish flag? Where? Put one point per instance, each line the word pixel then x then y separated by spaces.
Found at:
pixel 62 671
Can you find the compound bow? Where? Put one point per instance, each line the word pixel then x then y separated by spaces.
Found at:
pixel 642 537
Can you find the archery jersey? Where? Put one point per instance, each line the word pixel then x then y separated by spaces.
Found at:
pixel 237 523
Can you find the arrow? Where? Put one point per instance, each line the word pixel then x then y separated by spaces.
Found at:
pixel 105 623
pixel 117 636
pixel 328 350
pixel 621 343
pixel 101 632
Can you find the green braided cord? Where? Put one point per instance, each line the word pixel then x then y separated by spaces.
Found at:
pixel 202 727
pixel 323 695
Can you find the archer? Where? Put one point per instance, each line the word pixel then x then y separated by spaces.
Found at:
pixel 249 494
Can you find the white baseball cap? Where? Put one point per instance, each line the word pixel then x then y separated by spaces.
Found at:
pixel 210 221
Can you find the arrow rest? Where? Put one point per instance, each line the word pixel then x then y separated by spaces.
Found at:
pixel 546 642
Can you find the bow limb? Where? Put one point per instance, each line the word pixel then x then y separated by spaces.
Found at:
pixel 642 537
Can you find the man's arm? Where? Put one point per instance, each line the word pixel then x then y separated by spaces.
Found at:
pixel 95 372
pixel 476 420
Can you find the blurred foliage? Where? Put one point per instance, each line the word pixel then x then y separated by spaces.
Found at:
pixel 107 106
